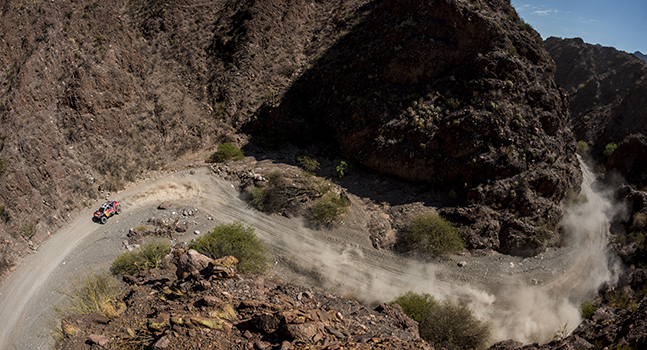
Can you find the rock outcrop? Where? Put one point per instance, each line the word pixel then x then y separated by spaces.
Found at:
pixel 210 310
pixel 453 93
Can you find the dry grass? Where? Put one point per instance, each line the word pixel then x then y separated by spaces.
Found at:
pixel 92 292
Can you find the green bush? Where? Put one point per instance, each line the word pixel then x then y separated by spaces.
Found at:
pixel 154 250
pixel 226 152
pixel 147 257
pixel 587 309
pixel 237 240
pixel 329 208
pixel 416 306
pixel 609 149
pixel 259 196
pixel 308 163
pixel 430 234
pixel 341 168
pixel 445 324
pixel 582 147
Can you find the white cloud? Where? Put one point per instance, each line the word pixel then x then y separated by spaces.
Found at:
pixel 546 12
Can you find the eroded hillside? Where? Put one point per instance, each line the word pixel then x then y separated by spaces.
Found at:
pixel 456 94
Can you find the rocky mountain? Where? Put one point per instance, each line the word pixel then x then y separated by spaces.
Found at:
pixel 640 55
pixel 460 94
pixel 455 94
pixel 607 89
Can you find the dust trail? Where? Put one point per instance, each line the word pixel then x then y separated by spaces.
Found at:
pixel 517 309
pixel 334 260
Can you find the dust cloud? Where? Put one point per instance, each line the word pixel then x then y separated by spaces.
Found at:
pixel 517 309
pixel 344 261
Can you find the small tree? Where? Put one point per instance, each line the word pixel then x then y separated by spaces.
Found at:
pixel 226 152
pixel 329 208
pixel 445 324
pixel 454 326
pixel 144 259
pixel 430 234
pixel 236 240
pixel 416 305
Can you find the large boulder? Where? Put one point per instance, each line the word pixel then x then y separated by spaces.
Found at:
pixel 191 263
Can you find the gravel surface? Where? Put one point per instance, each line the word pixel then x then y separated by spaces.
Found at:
pixel 526 298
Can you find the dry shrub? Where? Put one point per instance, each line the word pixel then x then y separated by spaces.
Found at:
pixel 430 234
pixel 92 292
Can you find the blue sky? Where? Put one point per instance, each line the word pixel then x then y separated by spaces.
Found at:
pixel 620 23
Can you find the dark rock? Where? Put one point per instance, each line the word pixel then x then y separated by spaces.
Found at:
pixel 182 226
pixel 266 323
pixel 191 262
pixel 629 159
pixel 507 345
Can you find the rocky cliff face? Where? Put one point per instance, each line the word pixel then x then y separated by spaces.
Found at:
pixel 608 104
pixel 640 55
pixel 453 93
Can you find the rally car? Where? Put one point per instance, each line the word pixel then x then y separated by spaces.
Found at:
pixel 107 210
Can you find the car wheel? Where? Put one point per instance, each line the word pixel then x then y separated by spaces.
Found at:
pixel 104 219
pixel 119 209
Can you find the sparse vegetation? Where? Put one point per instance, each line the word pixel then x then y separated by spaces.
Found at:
pixel 445 324
pixel 4 213
pixel 308 163
pixel 582 147
pixel 587 309
pixel 92 292
pixel 146 258
pixel 341 168
pixel 237 240
pixel 3 166
pixel 609 149
pixel 274 177
pixel 574 198
pixel 28 229
pixel 226 152
pixel 432 235
pixel 259 197
pixel 329 208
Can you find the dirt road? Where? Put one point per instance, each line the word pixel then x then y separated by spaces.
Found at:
pixel 526 299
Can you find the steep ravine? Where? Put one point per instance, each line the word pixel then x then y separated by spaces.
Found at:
pixel 526 298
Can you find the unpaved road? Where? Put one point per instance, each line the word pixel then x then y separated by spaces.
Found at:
pixel 526 299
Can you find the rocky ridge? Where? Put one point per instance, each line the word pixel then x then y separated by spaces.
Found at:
pixel 197 302
pixel 607 89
